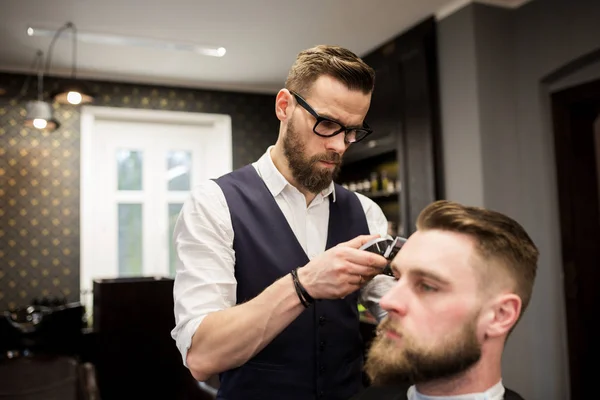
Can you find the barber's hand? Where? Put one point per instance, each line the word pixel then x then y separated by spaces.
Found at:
pixel 341 270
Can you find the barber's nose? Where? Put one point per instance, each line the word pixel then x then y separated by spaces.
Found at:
pixel 337 143
pixel 396 299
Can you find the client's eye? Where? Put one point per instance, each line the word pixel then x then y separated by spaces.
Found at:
pixel 426 288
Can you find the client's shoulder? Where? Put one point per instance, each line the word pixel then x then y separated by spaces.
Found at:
pixel 511 395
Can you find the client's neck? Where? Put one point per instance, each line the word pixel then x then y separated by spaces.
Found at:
pixel 479 378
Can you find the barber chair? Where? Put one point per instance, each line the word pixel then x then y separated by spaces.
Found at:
pixel 39 355
pixel 133 319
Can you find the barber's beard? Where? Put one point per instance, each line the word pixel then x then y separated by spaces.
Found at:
pixel 305 170
pixel 396 361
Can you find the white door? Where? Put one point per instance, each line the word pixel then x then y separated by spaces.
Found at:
pixel 138 167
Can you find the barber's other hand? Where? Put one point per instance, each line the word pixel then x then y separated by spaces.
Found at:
pixel 341 270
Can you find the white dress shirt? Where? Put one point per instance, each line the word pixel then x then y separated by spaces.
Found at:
pixel 496 392
pixel 203 237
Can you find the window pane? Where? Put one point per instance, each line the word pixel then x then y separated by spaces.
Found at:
pixel 173 214
pixel 130 239
pixel 179 164
pixel 130 169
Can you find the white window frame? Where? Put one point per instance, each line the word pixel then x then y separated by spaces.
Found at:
pixel 89 115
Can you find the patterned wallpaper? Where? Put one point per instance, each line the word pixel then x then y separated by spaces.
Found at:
pixel 39 176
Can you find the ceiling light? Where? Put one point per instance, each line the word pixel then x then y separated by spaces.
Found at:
pixel 40 123
pixel 71 91
pixel 121 40
pixel 39 112
pixel 39 115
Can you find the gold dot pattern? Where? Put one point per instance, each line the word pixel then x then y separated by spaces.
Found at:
pixel 39 176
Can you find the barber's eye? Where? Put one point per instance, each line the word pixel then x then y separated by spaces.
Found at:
pixel 329 126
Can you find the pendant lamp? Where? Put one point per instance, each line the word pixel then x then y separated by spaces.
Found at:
pixel 39 112
pixel 70 91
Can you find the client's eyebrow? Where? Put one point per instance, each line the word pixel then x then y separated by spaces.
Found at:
pixel 429 275
pixel 421 273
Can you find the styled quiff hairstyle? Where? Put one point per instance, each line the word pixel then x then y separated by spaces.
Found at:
pixel 500 240
pixel 335 61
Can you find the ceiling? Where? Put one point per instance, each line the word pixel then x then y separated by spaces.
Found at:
pixel 262 37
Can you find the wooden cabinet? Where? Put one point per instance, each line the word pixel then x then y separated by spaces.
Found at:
pixel 405 147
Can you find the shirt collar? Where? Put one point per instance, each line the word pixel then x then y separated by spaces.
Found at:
pixel 496 392
pixel 275 181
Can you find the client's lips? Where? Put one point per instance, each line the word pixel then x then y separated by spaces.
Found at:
pixel 392 334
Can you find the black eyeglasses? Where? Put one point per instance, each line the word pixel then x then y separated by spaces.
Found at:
pixel 326 127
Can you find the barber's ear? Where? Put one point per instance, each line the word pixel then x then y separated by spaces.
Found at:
pixel 283 103
pixel 503 315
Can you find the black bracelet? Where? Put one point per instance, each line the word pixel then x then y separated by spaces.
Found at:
pixel 298 291
pixel 307 297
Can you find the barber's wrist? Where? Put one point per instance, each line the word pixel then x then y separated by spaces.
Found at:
pixel 305 280
pixel 305 297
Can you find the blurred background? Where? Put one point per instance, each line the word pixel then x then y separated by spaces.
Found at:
pixel 110 111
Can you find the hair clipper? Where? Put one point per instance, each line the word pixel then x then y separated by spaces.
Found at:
pixel 386 247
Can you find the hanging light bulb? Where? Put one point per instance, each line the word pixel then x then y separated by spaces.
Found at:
pixel 74 97
pixel 39 115
pixel 39 112
pixel 71 91
pixel 40 123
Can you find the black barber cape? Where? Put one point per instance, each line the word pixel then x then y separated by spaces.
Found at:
pixel 399 392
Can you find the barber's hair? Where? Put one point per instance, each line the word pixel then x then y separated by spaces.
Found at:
pixel 500 239
pixel 334 61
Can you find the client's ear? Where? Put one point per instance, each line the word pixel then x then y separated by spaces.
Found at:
pixel 503 314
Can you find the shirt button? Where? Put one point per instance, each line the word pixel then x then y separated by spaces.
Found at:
pixel 321 370
pixel 321 320
pixel 322 346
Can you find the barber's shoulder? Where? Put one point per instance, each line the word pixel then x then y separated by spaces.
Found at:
pixel 206 190
pixel 367 203
pixel 376 218
pixel 207 195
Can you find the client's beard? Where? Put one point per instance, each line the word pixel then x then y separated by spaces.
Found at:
pixel 392 362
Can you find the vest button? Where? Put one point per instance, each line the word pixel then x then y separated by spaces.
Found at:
pixel 321 320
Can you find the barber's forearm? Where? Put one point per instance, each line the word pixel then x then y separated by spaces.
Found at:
pixel 227 339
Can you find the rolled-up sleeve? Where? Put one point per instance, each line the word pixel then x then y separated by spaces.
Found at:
pixel 205 279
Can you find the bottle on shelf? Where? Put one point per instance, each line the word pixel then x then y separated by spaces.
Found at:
pixel 384 181
pixel 374 182
pixel 366 185
pixel 391 187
